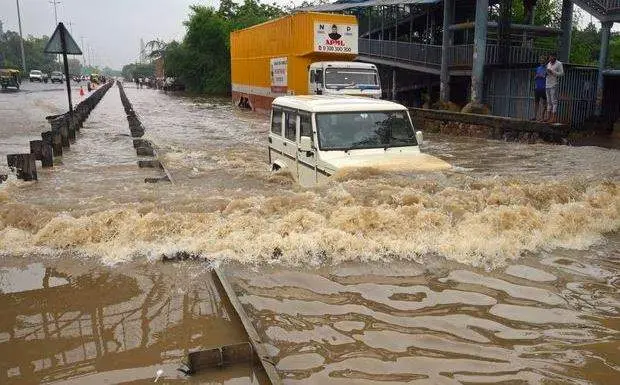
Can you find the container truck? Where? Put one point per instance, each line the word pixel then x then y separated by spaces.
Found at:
pixel 304 53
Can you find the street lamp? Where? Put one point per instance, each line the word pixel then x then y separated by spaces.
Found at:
pixel 21 38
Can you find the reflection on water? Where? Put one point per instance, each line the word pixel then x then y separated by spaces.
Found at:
pixel 103 326
pixel 441 323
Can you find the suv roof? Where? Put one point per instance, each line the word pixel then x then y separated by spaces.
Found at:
pixel 56 73
pixel 35 71
pixel 340 103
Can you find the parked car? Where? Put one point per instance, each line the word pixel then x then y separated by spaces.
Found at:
pixel 57 76
pixel 312 137
pixel 36 76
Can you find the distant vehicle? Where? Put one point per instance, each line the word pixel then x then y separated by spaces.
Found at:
pixel 57 76
pixel 9 78
pixel 37 76
pixel 314 136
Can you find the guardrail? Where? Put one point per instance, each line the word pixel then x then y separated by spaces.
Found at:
pixel 424 54
pixel 458 55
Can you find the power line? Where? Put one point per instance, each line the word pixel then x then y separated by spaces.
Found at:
pixel 54 3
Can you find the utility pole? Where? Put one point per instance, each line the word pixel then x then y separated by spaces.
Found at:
pixel 21 38
pixel 54 3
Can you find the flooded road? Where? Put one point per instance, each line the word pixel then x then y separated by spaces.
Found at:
pixel 504 269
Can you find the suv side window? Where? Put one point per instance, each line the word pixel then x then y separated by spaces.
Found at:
pixel 276 121
pixel 305 125
pixel 290 129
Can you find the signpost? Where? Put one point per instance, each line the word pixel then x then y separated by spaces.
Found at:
pixel 61 42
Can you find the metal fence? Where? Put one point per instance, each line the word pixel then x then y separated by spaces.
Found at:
pixel 425 54
pixel 462 55
pixel 510 92
pixel 608 4
pixel 430 55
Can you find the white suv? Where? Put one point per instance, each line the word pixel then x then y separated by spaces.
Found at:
pixel 57 76
pixel 36 76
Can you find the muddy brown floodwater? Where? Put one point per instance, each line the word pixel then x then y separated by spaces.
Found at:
pixel 504 269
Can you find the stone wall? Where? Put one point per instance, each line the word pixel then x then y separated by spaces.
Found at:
pixel 487 126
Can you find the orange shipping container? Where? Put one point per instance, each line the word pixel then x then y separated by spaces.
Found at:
pixel 271 59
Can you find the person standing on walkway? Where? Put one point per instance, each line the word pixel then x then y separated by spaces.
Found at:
pixel 555 70
pixel 540 92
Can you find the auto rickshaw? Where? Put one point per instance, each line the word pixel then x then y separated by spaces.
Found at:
pixel 9 78
pixel 94 78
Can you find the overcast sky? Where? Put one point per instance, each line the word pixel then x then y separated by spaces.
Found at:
pixel 111 28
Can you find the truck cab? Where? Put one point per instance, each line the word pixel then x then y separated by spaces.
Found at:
pixel 344 78
pixel 312 137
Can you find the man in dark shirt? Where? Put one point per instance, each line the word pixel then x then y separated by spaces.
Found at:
pixel 539 89
pixel 335 35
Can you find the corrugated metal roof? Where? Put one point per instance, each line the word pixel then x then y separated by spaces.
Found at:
pixel 347 4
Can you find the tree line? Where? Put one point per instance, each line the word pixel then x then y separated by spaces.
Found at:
pixel 11 57
pixel 201 61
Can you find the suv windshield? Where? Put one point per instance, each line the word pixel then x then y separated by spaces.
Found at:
pixel 35 72
pixel 337 78
pixel 56 73
pixel 355 130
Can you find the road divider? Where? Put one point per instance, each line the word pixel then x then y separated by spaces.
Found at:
pixel 143 147
pixel 61 135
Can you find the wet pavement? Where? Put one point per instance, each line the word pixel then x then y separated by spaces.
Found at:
pixel 502 270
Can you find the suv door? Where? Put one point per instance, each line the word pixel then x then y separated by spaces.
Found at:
pixel 306 159
pixel 275 138
pixel 289 142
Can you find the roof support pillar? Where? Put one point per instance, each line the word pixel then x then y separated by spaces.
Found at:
pixel 566 25
pixel 446 42
pixel 503 31
pixel 480 49
pixel 602 62
pixel 393 84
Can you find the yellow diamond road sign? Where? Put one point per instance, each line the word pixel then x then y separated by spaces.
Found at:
pixel 55 44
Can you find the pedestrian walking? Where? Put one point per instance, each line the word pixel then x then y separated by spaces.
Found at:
pixel 540 92
pixel 555 70
pixel 81 91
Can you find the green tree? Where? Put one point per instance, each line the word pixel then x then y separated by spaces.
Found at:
pixel 202 60
pixel 134 71
pixel 10 52
pixel 614 51
pixel 585 45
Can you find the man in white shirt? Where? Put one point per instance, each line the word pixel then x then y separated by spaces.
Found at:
pixel 554 71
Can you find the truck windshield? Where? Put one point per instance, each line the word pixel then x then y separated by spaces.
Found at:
pixel 358 130
pixel 338 78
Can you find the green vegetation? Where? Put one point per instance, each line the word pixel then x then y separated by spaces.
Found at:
pixel 11 57
pixel 585 47
pixel 134 71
